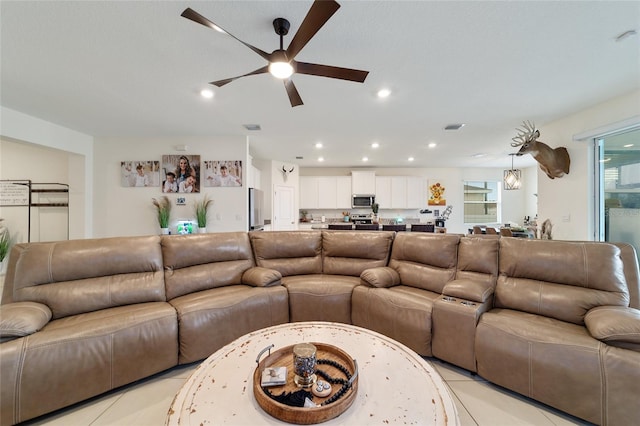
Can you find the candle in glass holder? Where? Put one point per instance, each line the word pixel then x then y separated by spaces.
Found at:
pixel 304 364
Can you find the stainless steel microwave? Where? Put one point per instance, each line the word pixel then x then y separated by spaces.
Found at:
pixel 362 201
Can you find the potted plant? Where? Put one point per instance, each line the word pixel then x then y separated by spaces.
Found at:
pixel 5 244
pixel 374 209
pixel 200 209
pixel 163 207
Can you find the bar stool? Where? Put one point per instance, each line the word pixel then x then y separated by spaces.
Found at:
pixel 423 228
pixel 397 228
pixel 341 227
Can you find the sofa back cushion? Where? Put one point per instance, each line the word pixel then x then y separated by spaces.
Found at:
pixel 78 276
pixel 478 260
pixel 423 260
pixel 288 252
pixel 351 252
pixel 559 279
pixel 204 261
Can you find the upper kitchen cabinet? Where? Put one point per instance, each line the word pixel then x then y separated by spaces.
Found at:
pixel 343 193
pixel 309 192
pixel 400 192
pixel 325 192
pixel 363 182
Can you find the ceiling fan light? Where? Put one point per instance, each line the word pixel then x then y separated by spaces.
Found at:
pixel 280 70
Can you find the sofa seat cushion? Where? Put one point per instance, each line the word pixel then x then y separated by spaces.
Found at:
pixel 320 297
pixel 210 319
pixel 552 361
pixel 80 356
pixel 401 312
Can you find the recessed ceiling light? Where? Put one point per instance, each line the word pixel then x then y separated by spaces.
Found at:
pixel 206 93
pixel 454 126
pixel 383 93
pixel 319 145
pixel 321 159
pixel 629 145
pixel 375 145
pixel 432 145
pixel 365 159
pixel 479 155
pixel 410 159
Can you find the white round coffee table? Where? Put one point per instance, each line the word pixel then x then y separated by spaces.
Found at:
pixel 395 385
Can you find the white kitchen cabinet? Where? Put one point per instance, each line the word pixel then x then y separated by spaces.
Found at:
pixel 343 192
pixel 399 192
pixel 416 192
pixel 363 182
pixel 383 191
pixel 327 192
pixel 309 192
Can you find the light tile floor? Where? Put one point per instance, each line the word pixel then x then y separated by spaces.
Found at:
pixel 145 403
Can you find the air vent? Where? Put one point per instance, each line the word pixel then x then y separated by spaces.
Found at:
pixel 456 126
pixel 299 157
pixel 252 127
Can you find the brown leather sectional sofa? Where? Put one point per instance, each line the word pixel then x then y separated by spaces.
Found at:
pixel 556 321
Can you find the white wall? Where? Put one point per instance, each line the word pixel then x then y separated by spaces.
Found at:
pixel 77 171
pixel 568 201
pixel 122 211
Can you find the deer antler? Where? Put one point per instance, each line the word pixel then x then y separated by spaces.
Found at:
pixel 527 134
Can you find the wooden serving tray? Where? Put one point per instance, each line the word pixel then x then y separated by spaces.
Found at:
pixel 301 415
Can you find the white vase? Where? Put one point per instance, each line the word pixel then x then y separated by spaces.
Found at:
pixel 202 230
pixel 164 231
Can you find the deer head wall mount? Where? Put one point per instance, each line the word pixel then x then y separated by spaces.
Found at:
pixel 285 173
pixel 554 162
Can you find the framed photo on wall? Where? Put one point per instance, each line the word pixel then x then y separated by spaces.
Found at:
pixel 181 173
pixel 223 173
pixel 139 174
pixel 437 195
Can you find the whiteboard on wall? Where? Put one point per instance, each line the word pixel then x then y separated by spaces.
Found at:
pixel 14 193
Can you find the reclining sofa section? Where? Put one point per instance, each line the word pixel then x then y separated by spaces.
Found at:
pixel 555 321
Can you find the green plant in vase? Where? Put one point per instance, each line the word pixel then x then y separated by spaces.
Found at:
pixel 201 209
pixel 374 209
pixel 163 207
pixel 5 241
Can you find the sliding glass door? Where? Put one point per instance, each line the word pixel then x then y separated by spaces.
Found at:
pixel 618 187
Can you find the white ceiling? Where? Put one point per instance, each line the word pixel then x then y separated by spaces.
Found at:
pixel 135 69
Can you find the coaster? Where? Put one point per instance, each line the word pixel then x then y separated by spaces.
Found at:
pixel 274 376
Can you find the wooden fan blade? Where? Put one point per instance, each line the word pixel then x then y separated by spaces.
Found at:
pixel 196 17
pixel 221 83
pixel 331 72
pixel 318 15
pixel 294 96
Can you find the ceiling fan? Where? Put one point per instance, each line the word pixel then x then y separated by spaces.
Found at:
pixel 282 63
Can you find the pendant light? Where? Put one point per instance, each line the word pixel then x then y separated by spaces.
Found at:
pixel 512 178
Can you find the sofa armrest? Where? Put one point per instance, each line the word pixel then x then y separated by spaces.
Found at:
pixel 614 324
pixel 381 277
pixel 21 319
pixel 261 277
pixel 475 291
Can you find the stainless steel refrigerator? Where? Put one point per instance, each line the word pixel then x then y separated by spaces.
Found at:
pixel 256 200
